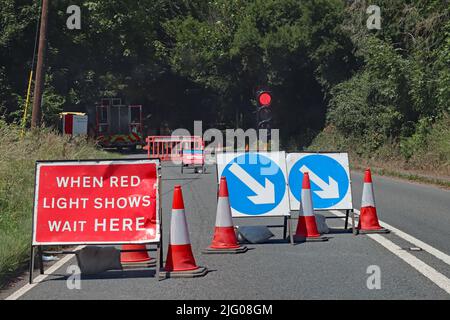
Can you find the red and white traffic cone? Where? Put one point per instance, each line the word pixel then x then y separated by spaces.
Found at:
pixel 180 262
pixel 307 226
pixel 368 219
pixel 135 258
pixel 224 240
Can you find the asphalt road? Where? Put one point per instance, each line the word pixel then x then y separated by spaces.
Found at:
pixel 336 269
pixel 420 210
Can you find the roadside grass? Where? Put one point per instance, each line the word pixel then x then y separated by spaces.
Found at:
pixel 17 162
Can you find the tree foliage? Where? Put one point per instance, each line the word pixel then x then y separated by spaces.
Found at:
pixel 204 59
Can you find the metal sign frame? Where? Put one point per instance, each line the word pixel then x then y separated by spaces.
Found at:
pixel 38 248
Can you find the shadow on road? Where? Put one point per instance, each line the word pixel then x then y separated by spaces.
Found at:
pixel 113 274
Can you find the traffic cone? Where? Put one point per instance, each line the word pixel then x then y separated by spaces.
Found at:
pixel 135 258
pixel 307 226
pixel 224 240
pixel 368 219
pixel 180 262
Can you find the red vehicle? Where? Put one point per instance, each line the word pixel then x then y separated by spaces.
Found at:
pixel 189 151
pixel 193 158
pixel 118 125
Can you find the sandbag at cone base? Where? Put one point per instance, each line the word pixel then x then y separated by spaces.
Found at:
pixel 135 257
pixel 224 239
pixel 180 262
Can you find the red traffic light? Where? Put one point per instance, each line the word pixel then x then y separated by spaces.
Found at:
pixel 265 98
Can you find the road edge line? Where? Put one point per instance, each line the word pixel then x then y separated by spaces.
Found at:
pixel 432 274
pixel 405 236
pixel 27 287
pixel 423 268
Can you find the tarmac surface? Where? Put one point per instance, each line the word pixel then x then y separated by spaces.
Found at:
pixel 336 269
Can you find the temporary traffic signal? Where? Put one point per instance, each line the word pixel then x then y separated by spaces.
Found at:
pixel 264 111
pixel 264 98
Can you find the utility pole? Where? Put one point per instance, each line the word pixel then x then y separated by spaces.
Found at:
pixel 40 73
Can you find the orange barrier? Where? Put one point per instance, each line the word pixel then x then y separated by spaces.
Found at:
pixel 170 148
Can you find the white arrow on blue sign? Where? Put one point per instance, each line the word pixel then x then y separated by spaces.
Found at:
pixel 257 183
pixel 330 180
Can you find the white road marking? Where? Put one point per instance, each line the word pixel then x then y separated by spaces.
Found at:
pixel 429 272
pixel 435 276
pixel 21 291
pixel 418 243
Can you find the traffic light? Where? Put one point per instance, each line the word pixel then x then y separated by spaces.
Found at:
pixel 264 111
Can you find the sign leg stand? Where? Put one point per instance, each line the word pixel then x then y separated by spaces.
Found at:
pixel 41 260
pixel 160 253
pixel 353 222
pixel 347 212
pixel 291 235
pixel 31 265
pixel 285 226
pixel 158 261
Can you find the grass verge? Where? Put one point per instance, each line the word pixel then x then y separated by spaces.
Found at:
pixel 17 160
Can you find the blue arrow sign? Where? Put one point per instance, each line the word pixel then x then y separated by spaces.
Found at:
pixel 329 180
pixel 256 184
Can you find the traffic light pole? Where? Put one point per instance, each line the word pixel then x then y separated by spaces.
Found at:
pixel 40 73
pixel 263 114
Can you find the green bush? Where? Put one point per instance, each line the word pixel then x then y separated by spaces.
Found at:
pixel 427 149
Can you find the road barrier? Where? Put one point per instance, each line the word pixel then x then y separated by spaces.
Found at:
pixel 180 262
pixel 170 148
pixel 307 225
pixel 90 202
pixel 368 219
pixel 224 240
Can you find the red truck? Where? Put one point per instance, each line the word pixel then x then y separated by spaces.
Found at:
pixel 118 125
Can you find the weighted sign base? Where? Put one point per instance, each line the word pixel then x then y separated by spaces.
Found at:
pixel 383 230
pixel 310 239
pixel 199 272
pixel 209 250
pixel 144 264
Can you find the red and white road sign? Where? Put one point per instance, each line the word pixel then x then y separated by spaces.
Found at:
pixel 96 202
